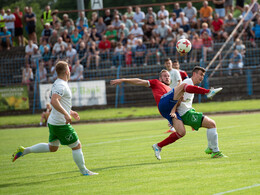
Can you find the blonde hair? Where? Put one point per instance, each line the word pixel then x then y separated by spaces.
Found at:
pixel 61 67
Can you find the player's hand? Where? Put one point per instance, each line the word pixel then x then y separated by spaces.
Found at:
pixel 75 115
pixel 68 118
pixel 116 82
pixel 173 115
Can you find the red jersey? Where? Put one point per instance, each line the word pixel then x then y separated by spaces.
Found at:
pixel 159 89
pixel 184 75
pixel 18 21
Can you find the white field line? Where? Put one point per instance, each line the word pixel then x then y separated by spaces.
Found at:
pixel 238 189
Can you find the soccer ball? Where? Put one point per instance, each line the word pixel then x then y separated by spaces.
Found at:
pixel 183 46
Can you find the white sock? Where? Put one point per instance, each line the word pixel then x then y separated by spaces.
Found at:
pixel 212 136
pixel 38 148
pixel 79 160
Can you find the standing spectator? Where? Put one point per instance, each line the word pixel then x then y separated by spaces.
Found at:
pixel 30 19
pixel 27 76
pixel 2 19
pixel 71 54
pixel 94 19
pixel 77 71
pixel 75 38
pixel 164 12
pixel 129 13
pixel 137 32
pixel 116 22
pixel 240 5
pixel 196 47
pixel 207 45
pixel 205 14
pixel 177 9
pixel 29 50
pixel 95 36
pixel 118 54
pixel 150 13
pixel 128 23
pixel 5 39
pixel 123 34
pixel 229 25
pixel 107 17
pixel 228 7
pixel 42 73
pixel 191 13
pixel 217 27
pixel 82 17
pixel 46 33
pixel 152 50
pixel 66 37
pixel 104 47
pixel 140 53
pixel 9 22
pixel 236 62
pixel 46 16
pixel 53 38
pixel 57 47
pixel 183 22
pixel 69 27
pixel 18 24
pixel 101 26
pixel 93 53
pixel 220 8
pixel 139 16
pixel 149 26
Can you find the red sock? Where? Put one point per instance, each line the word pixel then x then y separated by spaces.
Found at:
pixel 195 89
pixel 172 138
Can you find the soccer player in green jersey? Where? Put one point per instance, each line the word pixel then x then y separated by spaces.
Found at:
pixel 60 130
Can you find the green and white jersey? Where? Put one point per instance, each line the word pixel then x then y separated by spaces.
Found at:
pixel 175 77
pixel 186 104
pixel 61 88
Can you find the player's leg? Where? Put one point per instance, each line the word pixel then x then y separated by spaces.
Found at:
pixel 78 158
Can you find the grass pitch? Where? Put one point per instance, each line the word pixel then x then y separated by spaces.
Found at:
pixel 122 155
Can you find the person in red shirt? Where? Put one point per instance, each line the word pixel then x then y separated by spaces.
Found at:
pixel 207 44
pixel 167 100
pixel 104 47
pixel 18 24
pixel 217 27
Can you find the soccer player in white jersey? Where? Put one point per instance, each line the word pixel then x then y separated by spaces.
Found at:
pixel 60 130
pixel 175 81
pixel 196 119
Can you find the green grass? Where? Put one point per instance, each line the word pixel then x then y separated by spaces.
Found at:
pixel 134 112
pixel 122 155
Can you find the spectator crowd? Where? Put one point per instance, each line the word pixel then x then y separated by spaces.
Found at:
pixel 130 39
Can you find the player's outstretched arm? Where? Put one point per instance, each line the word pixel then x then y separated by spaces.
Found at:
pixel 134 81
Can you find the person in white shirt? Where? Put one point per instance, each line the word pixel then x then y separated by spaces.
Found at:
pixel 137 32
pixel 71 54
pixel 196 119
pixel 139 16
pixel 77 71
pixel 57 46
pixel 29 50
pixel 164 12
pixel 60 130
pixel 183 22
pixel 191 13
pixel 9 21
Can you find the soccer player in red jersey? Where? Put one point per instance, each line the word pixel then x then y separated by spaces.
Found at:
pixel 166 100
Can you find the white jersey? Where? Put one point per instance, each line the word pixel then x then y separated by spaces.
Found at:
pixel 186 104
pixel 61 88
pixel 175 77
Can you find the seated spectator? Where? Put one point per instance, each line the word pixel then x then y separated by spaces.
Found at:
pixel 111 34
pixel 217 27
pixel 93 53
pixel 95 36
pixel 131 41
pixel 55 18
pixel 75 38
pixel 81 27
pixel 118 55
pixel 247 17
pixel 150 13
pixel 205 14
pixel 71 54
pixel 46 32
pixel 5 39
pixel 104 47
pixel 149 26
pixel 116 22
pixel 42 45
pixel 172 20
pixel 164 12
pixel 18 24
pixel 27 75
pixel 256 32
pixel 191 13
pixel 29 50
pixel 168 43
pixel 61 55
pixel 160 32
pixel 181 34
pixel 116 13
pixel 69 27
pixel 42 73
pixel 108 17
pixel 46 58
pixel 152 50
pixel 139 16
pixel 82 53
pixel 57 47
pixel 36 57
pixel 54 75
pixel 161 18
pixel 220 8
pixel 123 34
pixel 53 38
pixel 177 9
pixel 128 56
pixel 9 22
pixel 45 115
pixel 196 47
pixel 176 65
pixel 86 37
pixel 129 13
pixel 82 17
pixel 205 29
pixel 77 72
pixel 240 47
pixel 207 45
pixel 229 25
pixel 128 23
pixel 255 7
pixel 58 28
pixel 94 19
pixel 101 26
pixel 183 22
pixel 236 62
pixel 137 32
pixel 66 37
pixel 65 19
pixel 140 51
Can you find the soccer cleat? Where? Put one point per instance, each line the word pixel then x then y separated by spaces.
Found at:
pixel 213 92
pixel 208 151
pixel 157 151
pixel 18 153
pixel 217 155
pixel 89 173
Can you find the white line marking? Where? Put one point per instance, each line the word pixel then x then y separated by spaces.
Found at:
pixel 238 189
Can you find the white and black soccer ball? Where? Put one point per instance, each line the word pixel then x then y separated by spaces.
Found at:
pixel 183 46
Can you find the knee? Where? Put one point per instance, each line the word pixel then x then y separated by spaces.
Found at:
pixel 53 148
pixel 77 147
pixel 212 124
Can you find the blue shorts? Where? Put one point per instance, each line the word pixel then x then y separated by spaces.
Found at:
pixel 166 104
